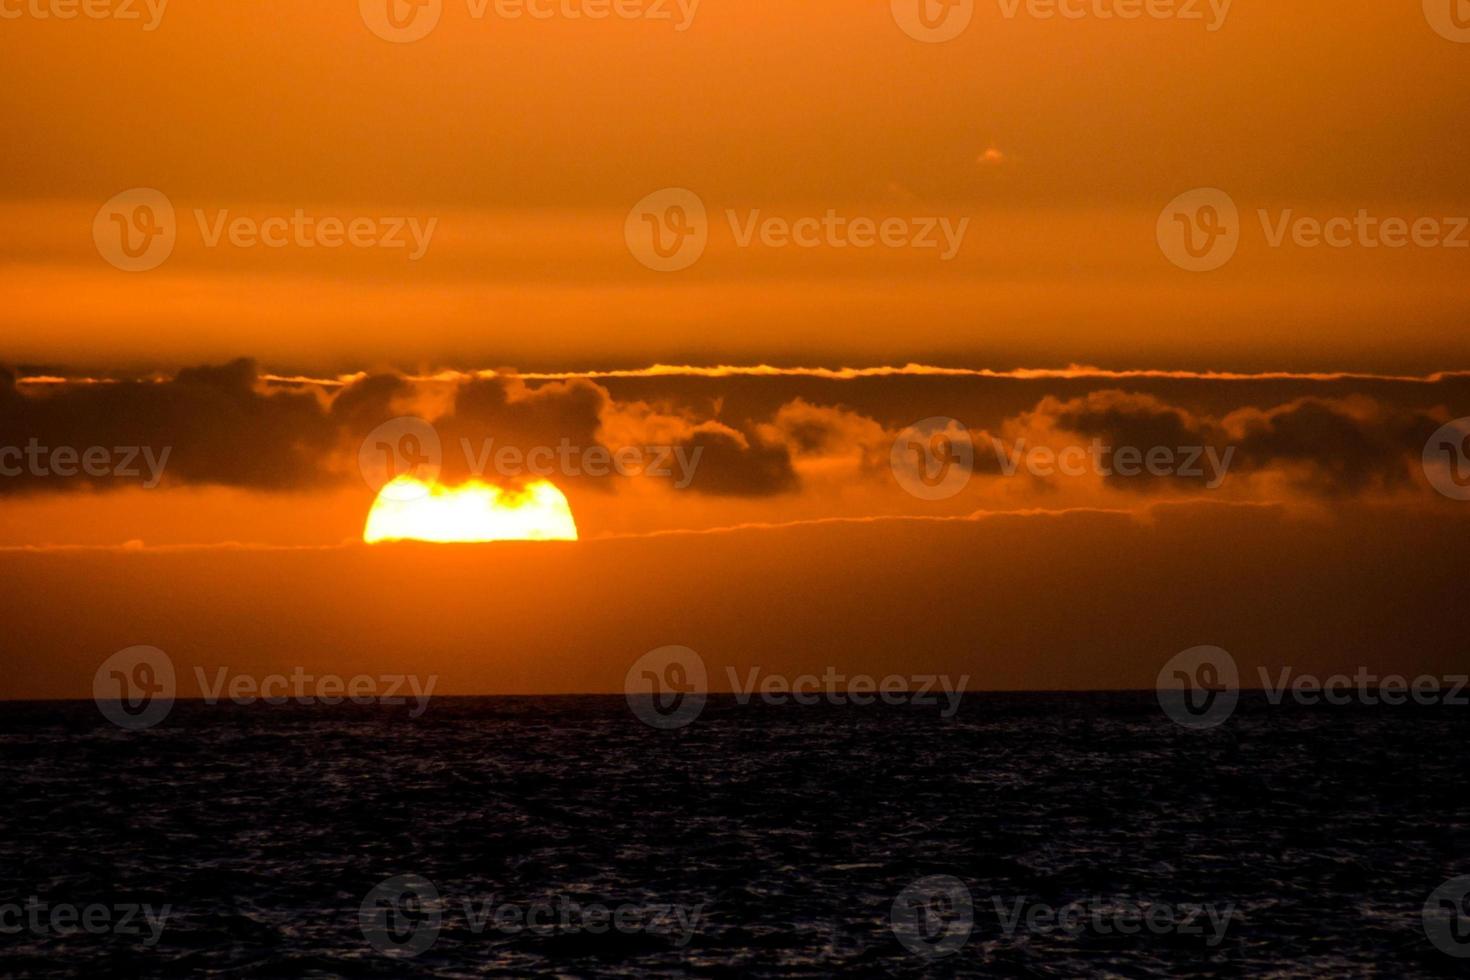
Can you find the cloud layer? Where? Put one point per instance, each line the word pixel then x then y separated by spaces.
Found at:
pixel 752 434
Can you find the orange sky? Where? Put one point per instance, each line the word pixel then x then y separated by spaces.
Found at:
pixel 741 184
pixel 527 141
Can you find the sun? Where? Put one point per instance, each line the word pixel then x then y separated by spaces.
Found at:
pixel 408 509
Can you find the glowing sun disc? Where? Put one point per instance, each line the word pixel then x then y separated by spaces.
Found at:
pixel 408 509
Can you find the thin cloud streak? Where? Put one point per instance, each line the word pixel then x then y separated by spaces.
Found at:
pixel 1073 372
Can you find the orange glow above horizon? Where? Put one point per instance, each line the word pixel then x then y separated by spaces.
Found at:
pixel 408 509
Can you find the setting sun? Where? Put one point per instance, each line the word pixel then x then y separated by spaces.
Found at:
pixel 408 509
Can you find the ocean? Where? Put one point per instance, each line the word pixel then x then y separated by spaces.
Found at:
pixel 1028 835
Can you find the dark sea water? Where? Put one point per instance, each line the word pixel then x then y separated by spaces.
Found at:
pixel 786 834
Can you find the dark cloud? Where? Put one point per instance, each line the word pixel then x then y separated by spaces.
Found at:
pixel 735 466
pixel 1338 447
pixel 216 423
pixel 984 403
pixel 224 425
pixel 1347 448
pixel 491 414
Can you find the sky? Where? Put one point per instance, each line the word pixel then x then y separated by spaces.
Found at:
pixel 869 302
